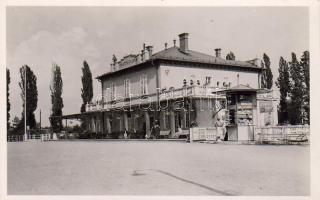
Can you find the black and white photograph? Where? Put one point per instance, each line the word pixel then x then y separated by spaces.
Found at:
pixel 159 100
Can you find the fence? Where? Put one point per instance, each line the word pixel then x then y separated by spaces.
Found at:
pixel 203 134
pixel 15 138
pixel 291 134
pixel 42 137
pixel 30 137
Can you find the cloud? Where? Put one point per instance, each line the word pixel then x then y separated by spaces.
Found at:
pixel 68 49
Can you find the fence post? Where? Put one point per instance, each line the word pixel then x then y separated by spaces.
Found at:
pixel 191 135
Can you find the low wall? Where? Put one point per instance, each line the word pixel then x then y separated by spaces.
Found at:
pixel 203 134
pixel 283 134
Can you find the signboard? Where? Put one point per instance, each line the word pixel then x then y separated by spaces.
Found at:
pixel 266 106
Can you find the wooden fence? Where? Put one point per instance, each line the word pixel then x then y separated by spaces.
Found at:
pixel 203 134
pixel 290 134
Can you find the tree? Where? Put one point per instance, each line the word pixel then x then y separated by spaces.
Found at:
pixel 283 83
pixel 263 76
pixel 230 56
pixel 87 90
pixel 56 99
pixel 8 102
pixel 305 65
pixel 297 90
pixel 268 73
pixel 29 95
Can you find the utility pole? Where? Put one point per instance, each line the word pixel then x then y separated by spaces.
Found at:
pixel 40 121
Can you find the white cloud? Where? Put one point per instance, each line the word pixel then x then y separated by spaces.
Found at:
pixel 68 49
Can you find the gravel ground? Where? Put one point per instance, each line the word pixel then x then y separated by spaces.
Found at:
pixel 156 168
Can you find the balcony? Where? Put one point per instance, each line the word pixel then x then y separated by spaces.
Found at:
pixel 190 91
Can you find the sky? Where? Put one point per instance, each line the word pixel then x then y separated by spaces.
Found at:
pixel 41 36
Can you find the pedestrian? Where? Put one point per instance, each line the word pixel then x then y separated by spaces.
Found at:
pixel 155 130
pixel 220 125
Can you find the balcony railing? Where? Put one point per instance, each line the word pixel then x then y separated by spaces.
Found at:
pixel 189 91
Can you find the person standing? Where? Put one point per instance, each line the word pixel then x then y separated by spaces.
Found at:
pixel 220 125
pixel 155 131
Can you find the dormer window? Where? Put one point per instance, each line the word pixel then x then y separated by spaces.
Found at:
pixel 208 80
pixel 184 82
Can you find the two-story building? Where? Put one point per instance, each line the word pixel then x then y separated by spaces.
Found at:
pixel 179 88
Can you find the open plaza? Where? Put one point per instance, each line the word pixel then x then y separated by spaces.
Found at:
pixel 156 168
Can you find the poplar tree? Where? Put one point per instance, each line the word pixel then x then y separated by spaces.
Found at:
pixel 268 72
pixel 283 83
pixel 29 95
pixel 86 90
pixel 56 99
pixel 230 56
pixel 305 65
pixel 8 102
pixel 263 75
pixel 297 91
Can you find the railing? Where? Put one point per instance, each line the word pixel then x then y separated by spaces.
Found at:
pixel 39 137
pixel 195 91
pixel 15 138
pixel 283 134
pixel 203 134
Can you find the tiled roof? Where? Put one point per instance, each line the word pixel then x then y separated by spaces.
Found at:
pixel 174 53
pixel 241 87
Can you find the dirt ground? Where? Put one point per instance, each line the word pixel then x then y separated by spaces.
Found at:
pixel 156 168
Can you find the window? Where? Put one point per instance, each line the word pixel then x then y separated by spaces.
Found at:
pixel 208 79
pixel 184 82
pixel 143 84
pixel 218 83
pixel 127 88
pixel 112 92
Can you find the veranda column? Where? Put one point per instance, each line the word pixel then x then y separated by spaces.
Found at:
pixel 147 119
pixel 93 124
pixel 184 118
pixel 108 124
pixel 125 121
pixel 172 123
pixel 103 123
pixel 162 120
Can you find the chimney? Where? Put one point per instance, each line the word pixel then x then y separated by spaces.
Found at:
pixel 183 37
pixel 174 42
pixel 218 52
pixel 146 55
pixel 139 58
pixel 165 45
pixel 149 48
